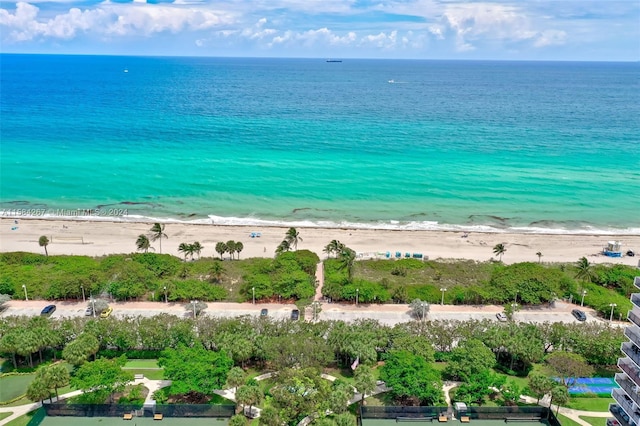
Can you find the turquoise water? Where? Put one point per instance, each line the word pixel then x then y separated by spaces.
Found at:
pixel 531 146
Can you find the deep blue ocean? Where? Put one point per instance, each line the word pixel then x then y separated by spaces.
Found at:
pixel 528 146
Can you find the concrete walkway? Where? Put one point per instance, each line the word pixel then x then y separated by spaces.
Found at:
pixel 569 412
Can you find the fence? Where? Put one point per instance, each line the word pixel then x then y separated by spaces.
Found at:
pixel 512 412
pixel 88 410
pixel 393 412
pixel 195 410
pixel 118 410
pixel 479 413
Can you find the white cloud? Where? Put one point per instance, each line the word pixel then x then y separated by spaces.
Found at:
pixel 475 23
pixel 550 38
pixel 108 19
pixel 495 28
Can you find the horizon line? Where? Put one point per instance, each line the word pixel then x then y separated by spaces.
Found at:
pixel 324 59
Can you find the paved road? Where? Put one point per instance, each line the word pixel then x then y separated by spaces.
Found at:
pixel 386 314
pixel 147 309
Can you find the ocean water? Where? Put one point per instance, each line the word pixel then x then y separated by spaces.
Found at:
pixel 526 146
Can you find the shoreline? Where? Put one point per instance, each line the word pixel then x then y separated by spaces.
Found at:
pixel 97 215
pixel 77 236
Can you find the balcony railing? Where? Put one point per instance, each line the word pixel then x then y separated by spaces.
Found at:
pixel 615 410
pixel 628 386
pixel 624 401
pixel 633 333
pixel 632 352
pixel 636 282
pixel 634 318
pixel 635 299
pixel 633 372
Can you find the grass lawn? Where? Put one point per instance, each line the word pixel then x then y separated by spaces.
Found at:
pixel 590 404
pixel 5 415
pixel 24 420
pixel 595 421
pixel 141 363
pixel 149 373
pixel 440 366
pixel 14 386
pixel 343 374
pixel 566 421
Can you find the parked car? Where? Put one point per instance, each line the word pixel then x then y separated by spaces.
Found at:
pixel 295 314
pixel 89 311
pixel 580 315
pixel 501 316
pixel 106 312
pixel 264 312
pixel 48 310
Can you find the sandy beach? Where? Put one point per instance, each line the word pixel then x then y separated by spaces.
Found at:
pixel 96 238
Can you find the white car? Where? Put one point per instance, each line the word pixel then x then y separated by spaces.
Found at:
pixel 501 316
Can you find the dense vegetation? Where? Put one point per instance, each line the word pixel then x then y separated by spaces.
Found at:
pixel 291 276
pixel 276 344
pixel 203 354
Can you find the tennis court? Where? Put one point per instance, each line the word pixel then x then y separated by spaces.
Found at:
pixel 597 385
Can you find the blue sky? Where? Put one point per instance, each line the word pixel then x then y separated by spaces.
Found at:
pixel 600 30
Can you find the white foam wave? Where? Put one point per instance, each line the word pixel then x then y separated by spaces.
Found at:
pixel 382 225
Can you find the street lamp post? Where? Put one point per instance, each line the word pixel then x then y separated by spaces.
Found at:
pixel 584 292
pixel 193 304
pixel 442 298
pixel 613 305
pixel 253 292
pixel 165 294
pixel 83 298
pixel 357 294
pixel 24 287
pixel 514 309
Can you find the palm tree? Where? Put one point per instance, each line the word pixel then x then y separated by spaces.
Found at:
pixel 197 248
pixel 293 238
pixel 499 249
pixel 283 246
pixel 185 249
pixel 56 376
pixel 584 269
pixel 157 233
pixel 333 247
pixel 238 248
pixel 221 249
pixel 539 254
pixel 231 248
pixel 216 271
pixel 347 259
pixel 143 244
pixel 44 242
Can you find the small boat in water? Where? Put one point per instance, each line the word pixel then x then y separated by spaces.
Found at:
pixel 334 60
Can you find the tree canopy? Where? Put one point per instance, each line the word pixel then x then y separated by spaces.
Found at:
pixel 412 380
pixel 206 370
